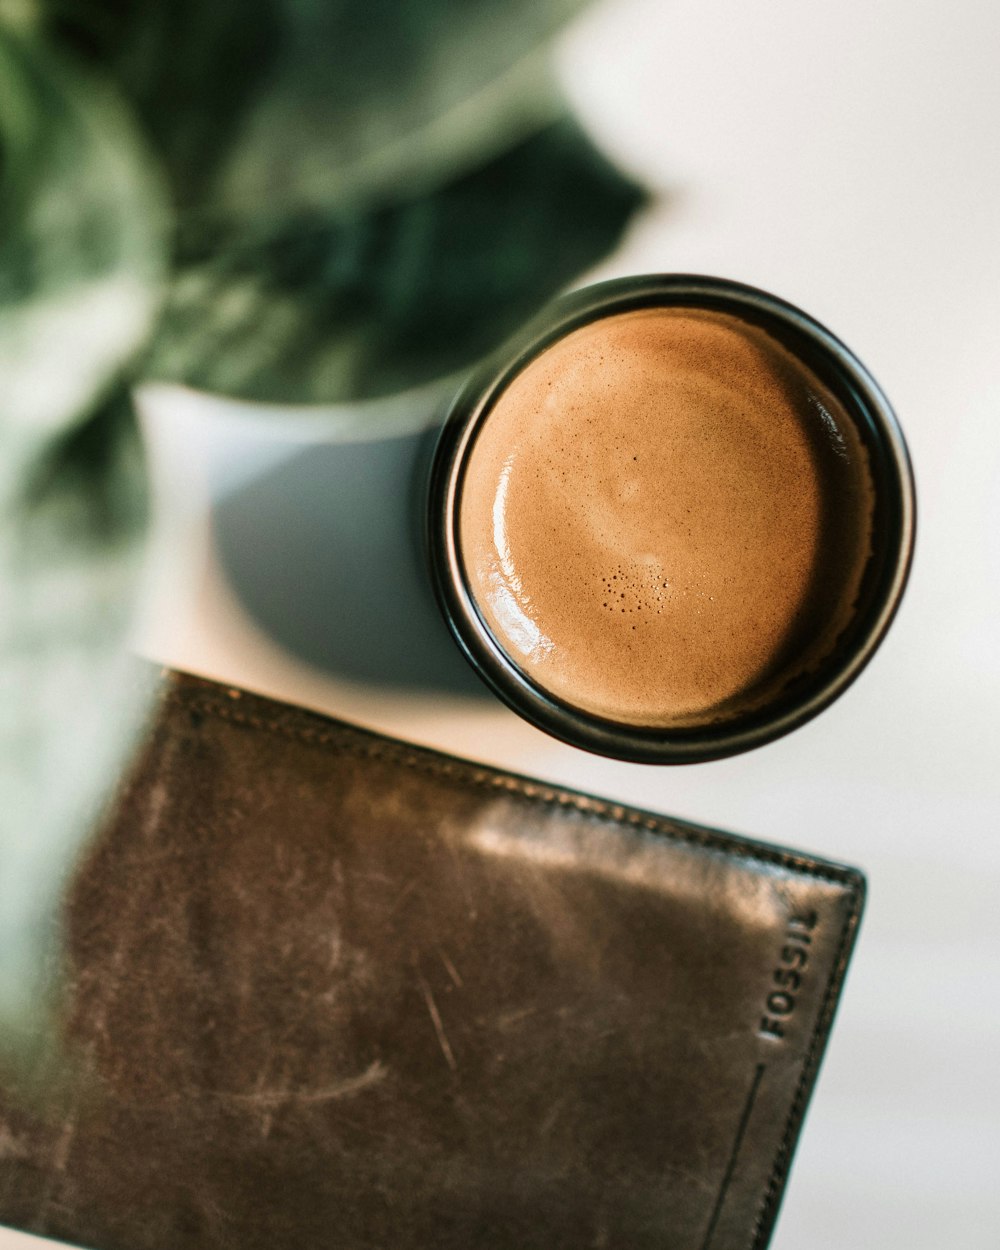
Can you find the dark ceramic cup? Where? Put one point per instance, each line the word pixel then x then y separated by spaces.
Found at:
pixel 809 688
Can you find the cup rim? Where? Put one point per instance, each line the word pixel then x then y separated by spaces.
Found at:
pixel 800 333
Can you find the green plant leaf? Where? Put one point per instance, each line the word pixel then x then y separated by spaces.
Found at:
pixel 330 306
pixel 70 703
pixel 370 194
pixel 82 243
pixel 260 106
pixel 81 256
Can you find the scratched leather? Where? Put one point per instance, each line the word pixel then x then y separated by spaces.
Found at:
pixel 328 989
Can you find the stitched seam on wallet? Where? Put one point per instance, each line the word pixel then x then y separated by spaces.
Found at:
pixel 541 793
pixel 466 773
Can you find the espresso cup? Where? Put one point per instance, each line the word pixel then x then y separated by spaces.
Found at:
pixel 673 521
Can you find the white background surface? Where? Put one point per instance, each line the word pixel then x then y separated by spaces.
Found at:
pixel 843 156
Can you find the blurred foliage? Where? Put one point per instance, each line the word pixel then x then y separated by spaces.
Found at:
pixel 83 246
pixel 258 105
pixel 325 306
pixel 71 699
pixel 82 257
pixel 289 200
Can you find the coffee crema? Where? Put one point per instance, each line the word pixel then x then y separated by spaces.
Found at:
pixel 665 517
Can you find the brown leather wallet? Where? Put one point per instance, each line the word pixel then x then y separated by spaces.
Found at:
pixel 329 989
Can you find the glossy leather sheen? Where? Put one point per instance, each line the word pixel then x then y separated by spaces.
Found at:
pixel 327 989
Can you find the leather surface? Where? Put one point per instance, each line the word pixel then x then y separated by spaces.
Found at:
pixel 328 989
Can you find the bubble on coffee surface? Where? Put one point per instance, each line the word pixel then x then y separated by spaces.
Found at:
pixel 665 514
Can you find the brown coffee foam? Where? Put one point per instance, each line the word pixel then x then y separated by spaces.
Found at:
pixel 665 517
